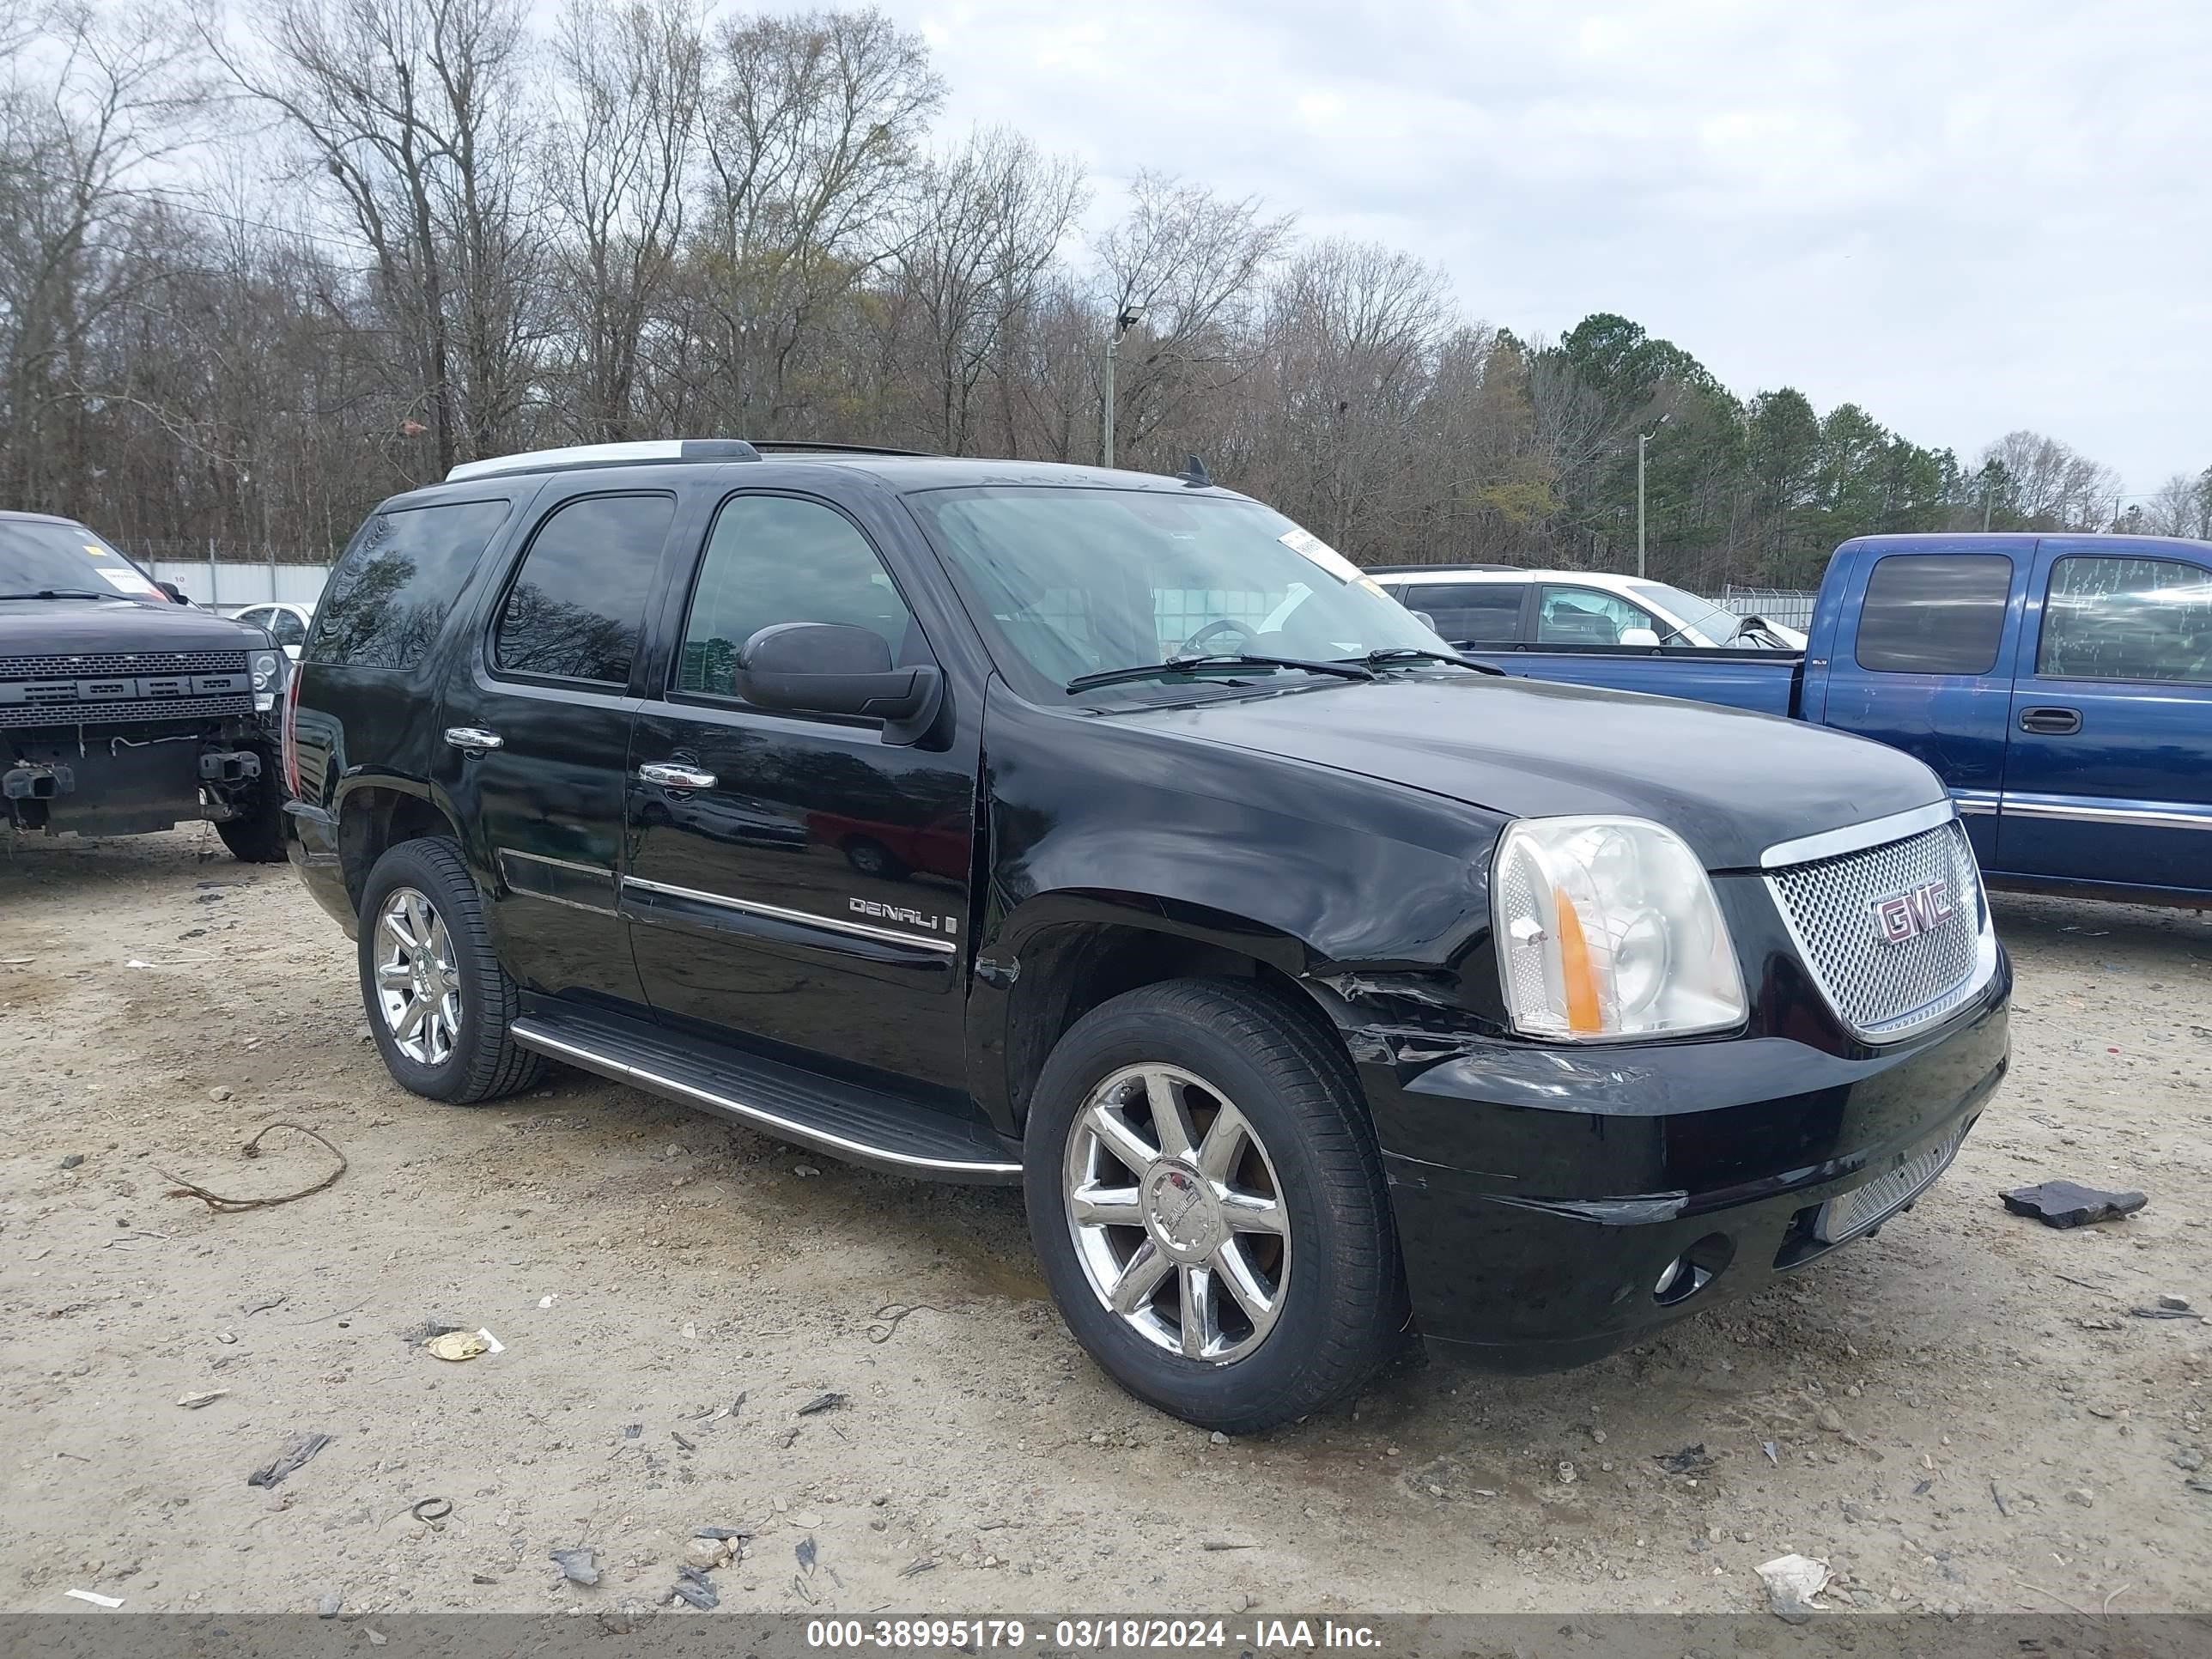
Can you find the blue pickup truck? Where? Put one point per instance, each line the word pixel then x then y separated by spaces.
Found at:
pixel 2060 685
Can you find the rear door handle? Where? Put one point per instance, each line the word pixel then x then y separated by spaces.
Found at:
pixel 474 739
pixel 677 777
pixel 2051 722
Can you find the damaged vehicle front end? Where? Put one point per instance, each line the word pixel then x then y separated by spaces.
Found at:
pixel 1649 1002
pixel 122 712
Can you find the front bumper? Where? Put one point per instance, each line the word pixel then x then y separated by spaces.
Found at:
pixel 1542 1193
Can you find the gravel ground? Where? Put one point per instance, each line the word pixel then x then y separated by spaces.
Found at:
pixel 1962 1413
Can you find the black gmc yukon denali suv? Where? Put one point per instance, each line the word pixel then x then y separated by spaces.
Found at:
pixel 122 712
pixel 1110 835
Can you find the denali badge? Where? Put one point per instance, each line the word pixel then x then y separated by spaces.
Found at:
pixel 1907 915
pixel 901 913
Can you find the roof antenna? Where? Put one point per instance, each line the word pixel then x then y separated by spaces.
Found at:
pixel 1194 474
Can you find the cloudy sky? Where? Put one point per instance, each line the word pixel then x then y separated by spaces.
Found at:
pixel 1966 215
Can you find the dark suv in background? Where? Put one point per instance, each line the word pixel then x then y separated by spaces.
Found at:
pixel 122 709
pixel 1110 835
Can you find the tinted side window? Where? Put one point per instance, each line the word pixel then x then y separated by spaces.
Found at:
pixel 2127 619
pixel 285 626
pixel 774 559
pixel 1584 615
pixel 1477 613
pixel 579 600
pixel 1934 613
pixel 397 581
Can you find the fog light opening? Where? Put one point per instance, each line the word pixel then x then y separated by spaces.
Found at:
pixel 1695 1268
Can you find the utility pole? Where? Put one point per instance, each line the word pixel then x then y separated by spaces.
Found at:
pixel 1124 320
pixel 1642 440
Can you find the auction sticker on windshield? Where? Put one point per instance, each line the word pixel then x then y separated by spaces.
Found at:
pixel 120 573
pixel 1306 542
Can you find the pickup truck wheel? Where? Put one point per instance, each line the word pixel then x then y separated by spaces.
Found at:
pixel 1207 1203
pixel 256 834
pixel 439 1003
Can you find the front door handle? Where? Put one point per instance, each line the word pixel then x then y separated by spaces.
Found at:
pixel 474 739
pixel 676 777
pixel 2051 722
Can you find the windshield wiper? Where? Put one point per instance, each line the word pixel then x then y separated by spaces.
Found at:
pixel 70 593
pixel 1347 670
pixel 1420 653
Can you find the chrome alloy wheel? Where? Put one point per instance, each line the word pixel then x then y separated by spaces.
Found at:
pixel 1175 1212
pixel 418 985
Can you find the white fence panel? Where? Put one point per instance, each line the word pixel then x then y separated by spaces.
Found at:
pixel 226 586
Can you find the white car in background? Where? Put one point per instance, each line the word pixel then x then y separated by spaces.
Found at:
pixel 286 623
pixel 1500 605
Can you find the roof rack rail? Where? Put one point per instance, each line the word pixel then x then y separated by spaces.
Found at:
pixel 782 445
pixel 636 453
pixel 639 452
pixel 1446 568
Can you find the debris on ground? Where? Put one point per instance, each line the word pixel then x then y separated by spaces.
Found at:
pixel 2065 1204
pixel 70 1163
pixel 417 1335
pixel 1691 1460
pixel 2168 1307
pixel 1774 1456
pixel 217 1202
pixel 458 1344
pixel 432 1511
pixel 704 1553
pixel 805 1551
pixel 821 1402
pixel 723 1535
pixel 193 1402
pixel 328 1603
pixel 915 1569
pixel 296 1452
pixel 695 1586
pixel 578 1566
pixel 1792 1583
pixel 95 1598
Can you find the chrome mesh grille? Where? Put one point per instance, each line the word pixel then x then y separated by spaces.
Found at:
pixel 117 662
pixel 1873 984
pixel 124 712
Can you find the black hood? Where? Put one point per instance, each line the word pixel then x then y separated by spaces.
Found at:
pixel 70 627
pixel 1730 783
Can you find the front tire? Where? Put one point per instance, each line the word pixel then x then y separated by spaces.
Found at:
pixel 256 834
pixel 439 1004
pixel 1206 1199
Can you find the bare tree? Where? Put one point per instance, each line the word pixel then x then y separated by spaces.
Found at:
pixel 2049 486
pixel 2181 507
pixel 410 110
pixel 809 129
pixel 1197 263
pixel 93 102
pixel 621 147
pixel 984 226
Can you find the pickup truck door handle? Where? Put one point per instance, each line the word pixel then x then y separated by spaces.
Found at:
pixel 677 777
pixel 474 739
pixel 2051 722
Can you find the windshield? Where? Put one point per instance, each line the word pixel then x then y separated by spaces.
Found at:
pixel 1070 582
pixel 1704 621
pixel 36 555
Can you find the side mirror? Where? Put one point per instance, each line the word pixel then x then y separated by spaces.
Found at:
pixel 1638 636
pixel 834 668
pixel 1426 620
pixel 176 594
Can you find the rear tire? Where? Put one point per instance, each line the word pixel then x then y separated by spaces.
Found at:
pixel 1262 1205
pixel 439 1006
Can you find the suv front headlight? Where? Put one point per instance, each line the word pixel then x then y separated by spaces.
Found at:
pixel 267 668
pixel 1607 927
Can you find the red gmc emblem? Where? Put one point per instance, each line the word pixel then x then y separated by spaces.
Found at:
pixel 1907 915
